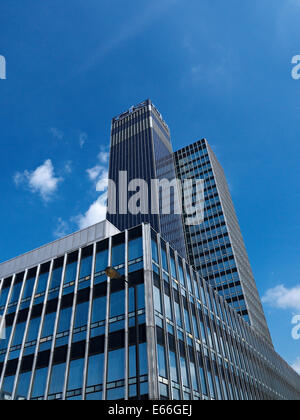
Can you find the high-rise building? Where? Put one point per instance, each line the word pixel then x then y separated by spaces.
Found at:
pixel 141 149
pixel 118 313
pixel 216 248
pixel 150 328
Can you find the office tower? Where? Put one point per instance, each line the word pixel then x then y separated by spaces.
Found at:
pixel 141 147
pixel 216 248
pixel 158 331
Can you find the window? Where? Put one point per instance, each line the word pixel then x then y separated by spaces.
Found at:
pixel 57 273
pixel 19 333
pixel 168 307
pixel 181 275
pixel 39 383
pixel 86 266
pixel 95 370
pixel 164 257
pixel 81 314
pixel 57 379
pixel 43 279
pixel 3 296
pixel 154 250
pixel 64 320
pixel 117 303
pixel 48 326
pixel 135 249
pixel 8 384
pixel 23 385
pixel 118 255
pixel 132 361
pixel 76 374
pixel 173 267
pixel 157 299
pixel 101 260
pixel 16 292
pixel 173 367
pixel 28 288
pixel 116 367
pixel 99 309
pixel 33 329
pixel 161 361
pixel 71 270
pixel 202 375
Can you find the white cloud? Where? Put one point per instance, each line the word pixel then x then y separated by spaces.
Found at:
pixel 283 298
pixel 95 214
pixel 102 182
pixel 103 157
pixel 68 167
pixel 62 228
pixel 94 172
pixel 296 365
pixel 42 180
pixel 56 133
pixel 97 210
pixel 82 139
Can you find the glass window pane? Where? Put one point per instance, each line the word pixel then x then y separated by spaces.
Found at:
pixel 101 261
pixel 48 326
pixel 118 255
pixel 76 374
pixel 39 383
pixel 95 370
pixel 162 361
pixel 64 320
pixel 81 314
pixel 57 379
pixel 99 309
pixel 56 277
pixel 23 385
pixel 33 329
pixel 135 249
pixel 117 303
pixel 116 365
pixel 42 283
pixel 86 266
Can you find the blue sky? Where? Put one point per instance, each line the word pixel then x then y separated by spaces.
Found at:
pixel 220 70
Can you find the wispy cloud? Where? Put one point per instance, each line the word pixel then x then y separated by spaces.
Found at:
pixel 56 133
pixel 283 298
pixel 68 167
pixel 42 180
pixel 82 139
pixel 94 172
pixel 103 157
pixel 62 228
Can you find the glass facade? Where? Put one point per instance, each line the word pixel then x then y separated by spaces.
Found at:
pixel 216 247
pixel 163 334
pixel 141 146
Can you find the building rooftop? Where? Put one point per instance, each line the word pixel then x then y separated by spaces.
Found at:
pixel 59 247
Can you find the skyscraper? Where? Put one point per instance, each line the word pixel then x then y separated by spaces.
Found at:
pixel 141 149
pixel 216 247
